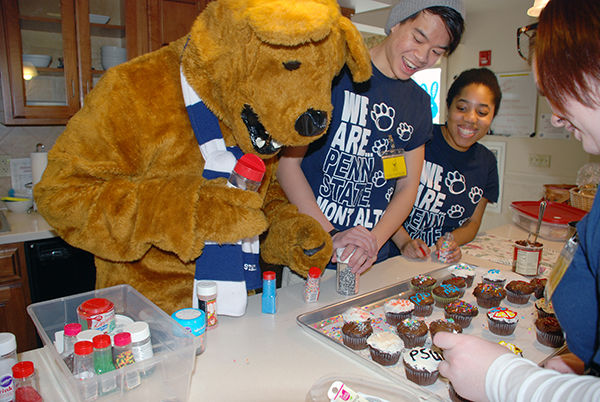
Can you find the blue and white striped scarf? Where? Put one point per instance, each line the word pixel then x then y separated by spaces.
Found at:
pixel 234 267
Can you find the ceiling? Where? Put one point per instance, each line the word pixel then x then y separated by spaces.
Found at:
pixel 371 15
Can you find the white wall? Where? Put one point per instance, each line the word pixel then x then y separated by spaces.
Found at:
pixel 496 31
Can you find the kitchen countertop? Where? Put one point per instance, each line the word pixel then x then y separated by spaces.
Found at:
pixel 269 357
pixel 26 227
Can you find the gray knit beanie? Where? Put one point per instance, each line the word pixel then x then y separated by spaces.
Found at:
pixel 406 8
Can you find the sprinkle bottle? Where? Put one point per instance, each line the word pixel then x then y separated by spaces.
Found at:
pixel 312 285
pixel 194 322
pixel 269 294
pixel 247 173
pixel 445 250
pixel 8 358
pixel 69 339
pixel 103 363
pixel 26 382
pixel 141 344
pixel 83 369
pixel 207 301
pixel 123 356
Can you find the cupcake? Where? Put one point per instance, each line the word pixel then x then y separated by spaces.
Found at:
pixel 421 365
pixel 385 347
pixel 539 284
pixel 397 310
pixel 544 309
pixel 413 332
pixel 461 312
pixel 502 321
pixel 462 270
pixel 445 294
pixel 356 328
pixel 447 325
pixel 459 282
pixel 518 292
pixel 423 302
pixel 494 277
pixel 548 332
pixel 488 295
pixel 422 282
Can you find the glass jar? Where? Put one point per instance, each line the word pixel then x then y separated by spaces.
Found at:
pixel 8 358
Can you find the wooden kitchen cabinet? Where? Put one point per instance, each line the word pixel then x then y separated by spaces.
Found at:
pixel 62 30
pixel 169 20
pixel 15 296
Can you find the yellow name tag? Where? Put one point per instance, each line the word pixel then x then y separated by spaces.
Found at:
pixel 394 165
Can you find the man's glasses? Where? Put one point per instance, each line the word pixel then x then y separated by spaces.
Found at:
pixel 525 41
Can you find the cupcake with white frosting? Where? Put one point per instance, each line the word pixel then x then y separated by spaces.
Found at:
pixel 385 347
pixel 421 365
pixel 397 310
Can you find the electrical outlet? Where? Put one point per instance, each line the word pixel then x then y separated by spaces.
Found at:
pixel 4 166
pixel 539 160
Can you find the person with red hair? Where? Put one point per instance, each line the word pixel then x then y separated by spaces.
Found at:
pixel 566 64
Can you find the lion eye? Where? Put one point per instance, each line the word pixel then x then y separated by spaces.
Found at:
pixel 291 65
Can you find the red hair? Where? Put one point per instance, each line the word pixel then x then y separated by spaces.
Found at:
pixel 567 52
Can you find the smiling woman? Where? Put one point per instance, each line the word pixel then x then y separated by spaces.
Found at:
pixel 459 175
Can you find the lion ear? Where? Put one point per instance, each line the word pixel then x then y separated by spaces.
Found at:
pixel 357 55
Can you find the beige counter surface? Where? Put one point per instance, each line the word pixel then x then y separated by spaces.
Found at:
pixel 26 227
pixel 262 357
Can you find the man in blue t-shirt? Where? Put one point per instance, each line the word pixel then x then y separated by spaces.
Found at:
pixel 360 180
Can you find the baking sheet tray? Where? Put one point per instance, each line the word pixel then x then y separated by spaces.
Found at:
pixel 325 324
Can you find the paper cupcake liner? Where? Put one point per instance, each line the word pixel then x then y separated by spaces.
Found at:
pixel 422 288
pixel 420 377
pixel 355 342
pixel 454 397
pixel 549 339
pixel 543 314
pixel 412 341
pixel 396 318
pixel 463 320
pixel 384 358
pixel 501 328
pixel 442 301
pixel 423 310
pixel 488 303
pixel 516 298
pixel 497 283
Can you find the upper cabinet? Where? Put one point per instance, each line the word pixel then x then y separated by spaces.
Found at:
pixel 169 20
pixel 54 51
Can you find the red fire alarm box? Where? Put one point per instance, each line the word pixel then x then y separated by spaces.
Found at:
pixel 485 58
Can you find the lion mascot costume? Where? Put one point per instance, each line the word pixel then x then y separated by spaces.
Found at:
pixel 139 176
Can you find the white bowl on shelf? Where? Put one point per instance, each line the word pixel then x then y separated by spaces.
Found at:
pixel 19 206
pixel 38 60
pixel 113 51
pixel 99 19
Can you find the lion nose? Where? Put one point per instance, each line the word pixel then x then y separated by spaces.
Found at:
pixel 311 123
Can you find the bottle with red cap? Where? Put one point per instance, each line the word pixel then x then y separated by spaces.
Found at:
pixel 26 382
pixel 83 369
pixel 123 356
pixel 269 294
pixel 312 285
pixel 69 339
pixel 103 363
pixel 247 173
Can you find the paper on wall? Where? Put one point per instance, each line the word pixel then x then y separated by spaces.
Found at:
pixel 21 177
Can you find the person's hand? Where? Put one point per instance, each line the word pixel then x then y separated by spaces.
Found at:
pixel 566 363
pixel 416 248
pixel 359 244
pixel 467 360
pixel 453 252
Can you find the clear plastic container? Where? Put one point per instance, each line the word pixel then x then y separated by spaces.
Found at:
pixel 173 347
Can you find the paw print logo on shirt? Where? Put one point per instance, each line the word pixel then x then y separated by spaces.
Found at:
pixel 404 131
pixel 380 146
pixel 378 179
pixel 456 211
pixel 389 193
pixel 455 182
pixel 475 194
pixel 383 116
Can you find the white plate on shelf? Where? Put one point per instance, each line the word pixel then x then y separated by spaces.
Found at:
pixel 38 60
pixel 99 19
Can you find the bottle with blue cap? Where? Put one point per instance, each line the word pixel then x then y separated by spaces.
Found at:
pixel 194 321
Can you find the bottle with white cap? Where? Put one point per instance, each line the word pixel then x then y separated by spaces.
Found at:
pixel 141 343
pixel 8 358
